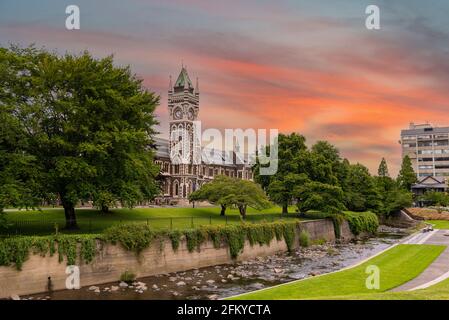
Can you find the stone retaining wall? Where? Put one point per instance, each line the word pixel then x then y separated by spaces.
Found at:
pixel 113 260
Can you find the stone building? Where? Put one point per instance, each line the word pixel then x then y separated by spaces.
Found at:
pixel 179 177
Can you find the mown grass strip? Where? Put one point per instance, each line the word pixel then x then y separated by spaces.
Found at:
pixel 398 265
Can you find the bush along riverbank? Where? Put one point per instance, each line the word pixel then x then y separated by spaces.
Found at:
pixel 15 251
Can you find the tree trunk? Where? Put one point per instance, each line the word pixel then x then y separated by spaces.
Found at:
pixel 242 209
pixel 104 209
pixel 70 217
pixel 223 210
pixel 285 208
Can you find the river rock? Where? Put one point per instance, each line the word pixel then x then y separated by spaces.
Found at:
pixel 114 288
pixel 93 288
pixel 210 281
pixel 213 297
pixel 97 290
pixel 123 285
pixel 155 286
pixel 181 283
pixel 257 285
pixel 15 297
pixel 172 279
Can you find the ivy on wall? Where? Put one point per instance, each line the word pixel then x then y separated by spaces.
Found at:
pixel 15 250
pixel 137 237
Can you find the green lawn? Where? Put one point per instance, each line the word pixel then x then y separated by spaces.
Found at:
pixel 397 266
pixel 92 221
pixel 439 291
pixel 439 224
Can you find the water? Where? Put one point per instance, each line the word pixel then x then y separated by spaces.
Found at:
pixel 227 280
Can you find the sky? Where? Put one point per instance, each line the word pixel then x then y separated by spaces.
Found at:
pixel 298 66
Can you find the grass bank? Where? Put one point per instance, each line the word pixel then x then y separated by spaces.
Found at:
pixel 439 224
pixel 439 291
pixel 397 265
pixel 90 221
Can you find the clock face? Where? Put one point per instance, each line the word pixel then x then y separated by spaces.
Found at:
pixel 191 114
pixel 178 113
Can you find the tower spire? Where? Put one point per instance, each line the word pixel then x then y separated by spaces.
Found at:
pixel 170 85
pixel 197 87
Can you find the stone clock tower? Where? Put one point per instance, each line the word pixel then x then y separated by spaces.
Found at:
pixel 183 108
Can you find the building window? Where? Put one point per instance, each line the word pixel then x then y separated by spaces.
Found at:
pixel 442 166
pixel 175 188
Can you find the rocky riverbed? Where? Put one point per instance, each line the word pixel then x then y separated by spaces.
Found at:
pixel 227 280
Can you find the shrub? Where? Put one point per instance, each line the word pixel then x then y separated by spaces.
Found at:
pixel 127 277
pixel 133 237
pixel 362 222
pixel 175 237
pixel 304 238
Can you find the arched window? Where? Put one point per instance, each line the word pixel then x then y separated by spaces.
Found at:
pixel 175 188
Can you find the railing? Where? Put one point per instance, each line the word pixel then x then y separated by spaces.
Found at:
pixel 97 225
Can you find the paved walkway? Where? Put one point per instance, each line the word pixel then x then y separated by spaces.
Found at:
pixel 438 270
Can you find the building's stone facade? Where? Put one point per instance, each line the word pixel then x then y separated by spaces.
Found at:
pixel 178 178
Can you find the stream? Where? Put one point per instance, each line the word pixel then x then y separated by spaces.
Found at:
pixel 226 280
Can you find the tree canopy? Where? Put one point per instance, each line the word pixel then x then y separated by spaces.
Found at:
pixel 232 192
pixel 436 198
pixel 319 179
pixel 292 155
pixel 79 127
pixel 383 169
pixel 407 176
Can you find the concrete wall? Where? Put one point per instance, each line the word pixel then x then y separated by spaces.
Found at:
pixel 112 261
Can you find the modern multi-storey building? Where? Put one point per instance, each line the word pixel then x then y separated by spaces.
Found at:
pixel 428 148
pixel 179 179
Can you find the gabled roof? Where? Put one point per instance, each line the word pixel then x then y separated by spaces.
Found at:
pixel 183 79
pixel 430 182
pixel 208 155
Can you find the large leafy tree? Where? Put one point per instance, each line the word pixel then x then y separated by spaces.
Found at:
pixel 391 196
pixel 291 157
pixel 215 192
pixel 232 192
pixel 360 192
pixel 407 176
pixel 321 197
pixel 84 124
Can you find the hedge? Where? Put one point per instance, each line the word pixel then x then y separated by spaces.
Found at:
pixel 362 222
